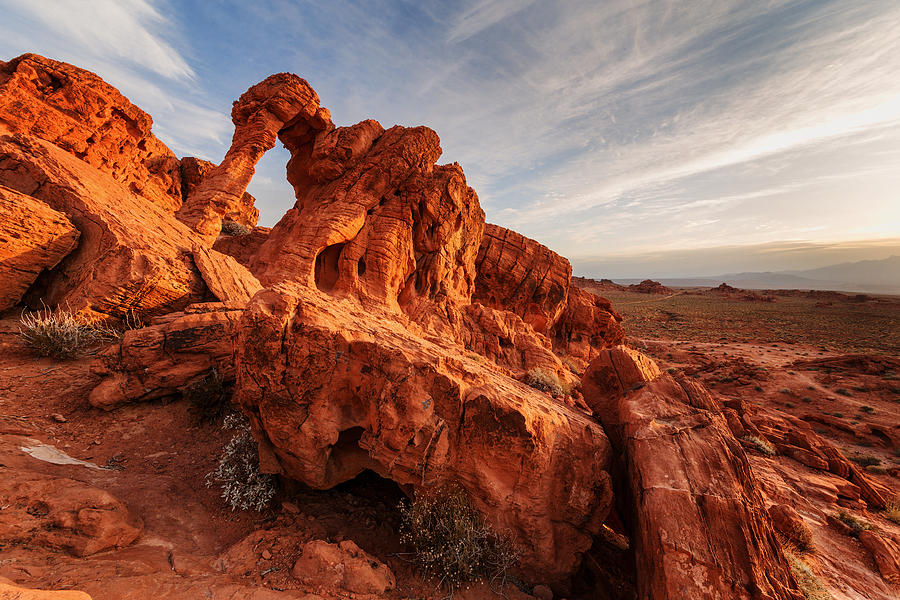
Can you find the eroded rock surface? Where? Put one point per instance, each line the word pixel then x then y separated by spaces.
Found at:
pixel 80 113
pixel 700 527
pixel 132 255
pixel 63 514
pixel 344 566
pixel 165 357
pixel 334 389
pixel 33 238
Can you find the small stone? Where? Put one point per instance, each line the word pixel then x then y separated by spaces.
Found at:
pixel 58 418
pixel 266 554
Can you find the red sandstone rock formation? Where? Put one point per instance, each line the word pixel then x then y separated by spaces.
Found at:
pixel 132 256
pixel 195 170
pixel 700 529
pixel 886 552
pixel 648 286
pixel 62 513
pixel 9 590
pixel 243 247
pixel 795 438
pixel 259 115
pixel 85 116
pixel 33 238
pixel 344 566
pixel 522 276
pixel 333 389
pixel 164 358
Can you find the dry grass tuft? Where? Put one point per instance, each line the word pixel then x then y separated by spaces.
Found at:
pixel 763 446
pixel 63 334
pixel 892 512
pixel 233 228
pixel 855 524
pixel 810 584
pixel 546 382
pixel 243 486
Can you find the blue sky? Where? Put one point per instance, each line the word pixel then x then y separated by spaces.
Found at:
pixel 637 138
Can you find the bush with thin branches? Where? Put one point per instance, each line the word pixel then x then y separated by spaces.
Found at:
pixel 243 486
pixel 451 540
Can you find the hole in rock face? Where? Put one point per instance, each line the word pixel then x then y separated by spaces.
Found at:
pixel 372 486
pixel 361 266
pixel 327 273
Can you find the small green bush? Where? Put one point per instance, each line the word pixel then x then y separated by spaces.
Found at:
pixel 843 392
pixel 451 541
pixel 763 446
pixel 62 334
pixel 243 486
pixel 867 409
pixel 546 382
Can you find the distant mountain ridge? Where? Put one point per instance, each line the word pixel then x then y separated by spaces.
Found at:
pixel 874 276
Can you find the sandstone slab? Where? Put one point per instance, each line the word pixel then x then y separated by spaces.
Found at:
pixel 33 238
pixel 63 514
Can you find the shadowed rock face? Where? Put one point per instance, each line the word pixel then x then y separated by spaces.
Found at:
pixel 518 275
pixel 700 527
pixel 258 116
pixel 33 237
pixel 522 276
pixel 85 116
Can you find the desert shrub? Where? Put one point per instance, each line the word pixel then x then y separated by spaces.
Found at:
pixel 892 512
pixel 810 584
pixel 806 399
pixel 757 388
pixel 763 446
pixel 855 524
pixel 572 366
pixel 866 461
pixel 546 382
pixel 234 228
pixel 451 541
pixel 208 397
pixel 785 391
pixel 63 334
pixel 843 392
pixel 243 486
pixel 867 409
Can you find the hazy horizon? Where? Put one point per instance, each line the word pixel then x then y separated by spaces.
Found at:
pixel 654 139
pixel 722 260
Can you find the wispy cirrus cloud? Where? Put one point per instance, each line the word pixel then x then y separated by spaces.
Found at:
pixel 598 128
